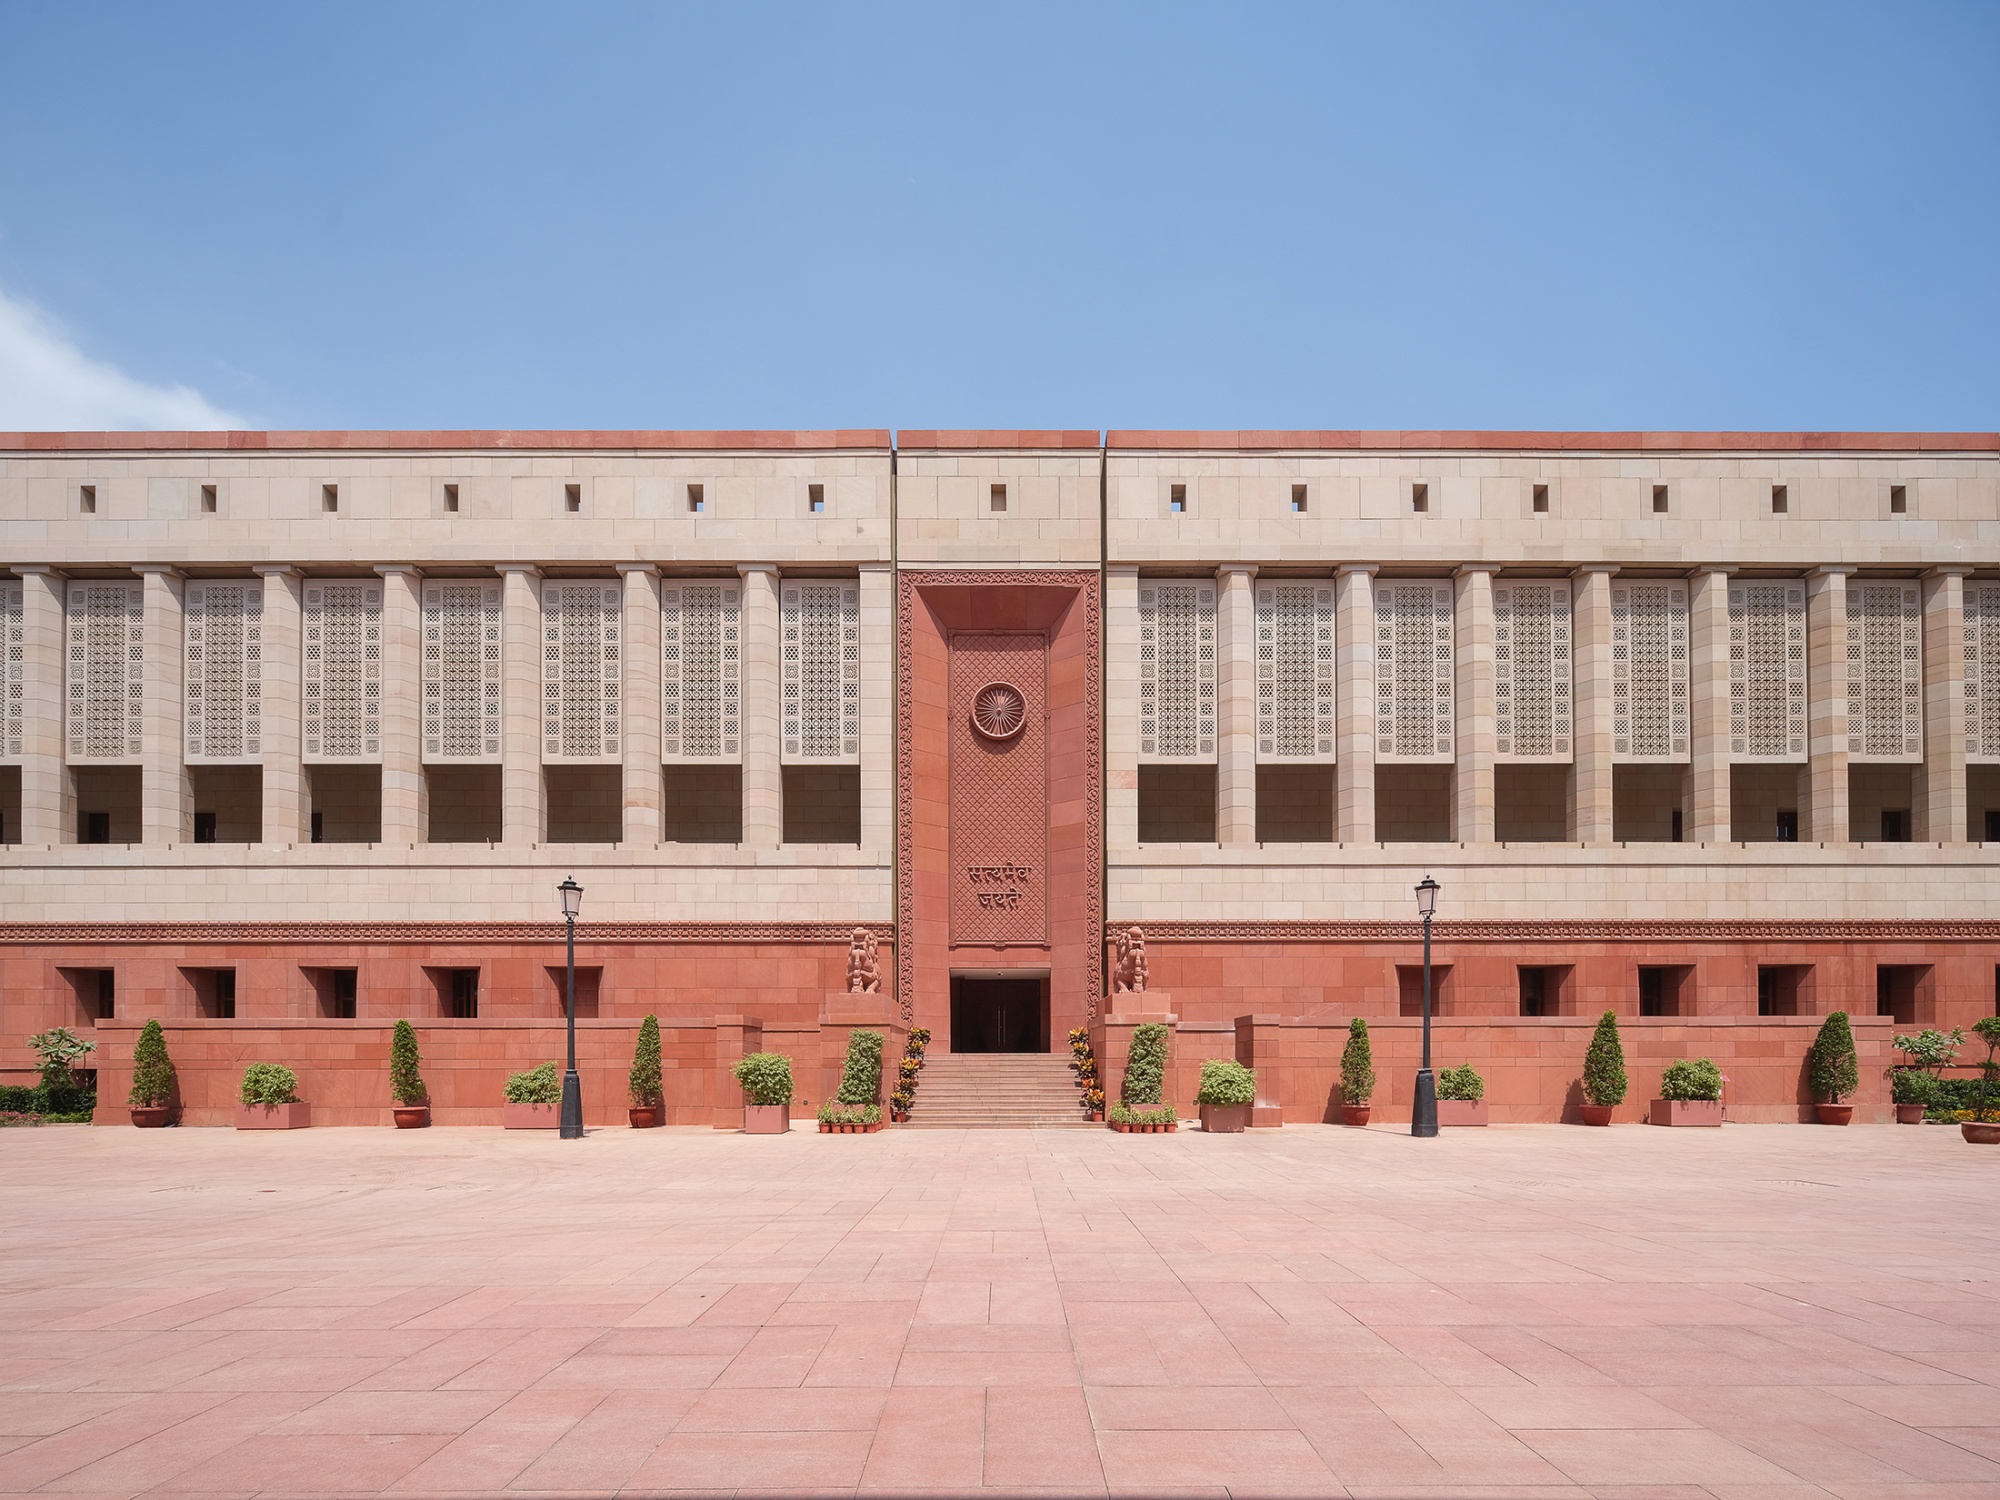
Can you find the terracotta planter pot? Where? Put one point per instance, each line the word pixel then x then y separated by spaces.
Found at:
pixel 1687 1112
pixel 531 1116
pixel 1225 1119
pixel 1596 1114
pixel 1834 1114
pixel 767 1119
pixel 1909 1114
pixel 412 1116
pixel 273 1116
pixel 150 1116
pixel 1354 1114
pixel 1980 1132
pixel 1461 1111
pixel 825 1128
pixel 1121 1129
pixel 1097 1115
pixel 644 1116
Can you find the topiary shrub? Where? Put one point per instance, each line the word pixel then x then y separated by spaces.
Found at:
pixel 1831 1067
pixel 1357 1065
pixel 1225 1083
pixel 861 1073
pixel 1462 1082
pixel 1604 1080
pixel 1146 1064
pixel 152 1070
pixel 766 1077
pixel 406 1081
pixel 1691 1078
pixel 541 1085
pixel 643 1082
pixel 269 1084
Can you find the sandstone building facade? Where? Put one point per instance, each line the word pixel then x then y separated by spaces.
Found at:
pixel 302 729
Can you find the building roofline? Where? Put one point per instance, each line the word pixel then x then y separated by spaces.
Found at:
pixel 1560 442
pixel 959 439
pixel 876 438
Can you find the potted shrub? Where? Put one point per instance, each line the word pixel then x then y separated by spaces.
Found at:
pixel 648 1104
pixel 1981 1125
pixel 1143 1121
pixel 854 1106
pixel 836 1118
pixel 534 1099
pixel 1461 1094
pixel 1090 1092
pixel 1831 1069
pixel 767 1086
pixel 1918 1085
pixel 1227 1091
pixel 1145 1074
pixel 269 1099
pixel 1357 1074
pixel 412 1105
pixel 1913 1091
pixel 1604 1082
pixel 152 1096
pixel 1690 1094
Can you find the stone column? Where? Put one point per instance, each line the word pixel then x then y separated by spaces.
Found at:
pixel 285 800
pixel 166 811
pixel 1236 705
pixel 1354 689
pixel 1472 786
pixel 523 797
pixel 1825 812
pixel 763 692
pixel 403 820
pixel 1708 699
pixel 1121 706
pixel 641 824
pixel 1940 781
pixel 48 806
pixel 878 708
pixel 1590 782
pixel 1260 1047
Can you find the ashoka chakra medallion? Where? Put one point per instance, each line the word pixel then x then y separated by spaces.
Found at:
pixel 999 711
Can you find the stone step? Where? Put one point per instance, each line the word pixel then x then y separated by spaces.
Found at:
pixel 1004 1091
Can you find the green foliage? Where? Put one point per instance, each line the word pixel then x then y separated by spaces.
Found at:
pixel 919 1038
pixel 152 1069
pixel 1224 1083
pixel 541 1085
pixel 1691 1078
pixel 835 1113
pixel 1831 1068
pixel 20 1099
pixel 61 1092
pixel 1988 1030
pixel 1604 1080
pixel 861 1073
pixel 1462 1082
pixel 1357 1065
pixel 766 1077
pixel 1123 1114
pixel 1931 1048
pixel 643 1082
pixel 269 1084
pixel 60 1047
pixel 406 1082
pixel 1914 1086
pixel 1146 1065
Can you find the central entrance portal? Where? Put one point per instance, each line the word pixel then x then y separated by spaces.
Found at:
pixel 999 1015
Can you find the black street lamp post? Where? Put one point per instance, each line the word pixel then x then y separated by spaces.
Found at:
pixel 572 1094
pixel 1424 1108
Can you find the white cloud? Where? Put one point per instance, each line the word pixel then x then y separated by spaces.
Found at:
pixel 47 384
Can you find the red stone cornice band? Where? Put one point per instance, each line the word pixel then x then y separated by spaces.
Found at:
pixel 1696 930
pixel 18 933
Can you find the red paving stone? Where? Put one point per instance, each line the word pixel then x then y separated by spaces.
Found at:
pixel 1760 1313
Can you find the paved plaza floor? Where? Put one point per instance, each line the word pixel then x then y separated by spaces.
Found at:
pixel 1760 1311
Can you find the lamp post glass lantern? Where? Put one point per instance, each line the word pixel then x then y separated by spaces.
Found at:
pixel 1424 1104
pixel 572 1088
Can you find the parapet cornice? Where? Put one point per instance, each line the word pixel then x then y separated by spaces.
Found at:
pixel 1131 440
pixel 545 440
pixel 1569 930
pixel 18 933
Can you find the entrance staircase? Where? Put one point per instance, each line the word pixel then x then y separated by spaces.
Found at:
pixel 997 1091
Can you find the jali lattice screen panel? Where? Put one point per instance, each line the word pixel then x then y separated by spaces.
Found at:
pixel 13 670
pixel 1649 672
pixel 341 643
pixel 107 671
pixel 581 627
pixel 820 637
pixel 462 658
pixel 1982 672
pixel 1531 670
pixel 1177 670
pixel 701 670
pixel 1414 666
pixel 1767 670
pixel 1295 715
pixel 1885 672
pixel 223 670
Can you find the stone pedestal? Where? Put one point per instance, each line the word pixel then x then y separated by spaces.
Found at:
pixel 736 1037
pixel 840 1016
pixel 1111 1037
pixel 1259 1040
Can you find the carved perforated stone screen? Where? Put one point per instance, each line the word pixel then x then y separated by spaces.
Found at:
pixel 1414 666
pixel 1885 672
pixel 1531 670
pixel 820 639
pixel 1295 714
pixel 107 671
pixel 462 660
pixel 1649 672
pixel 582 623
pixel 1982 672
pixel 222 627
pixel 340 631
pixel 701 670
pixel 1767 670
pixel 1177 670
pixel 13 671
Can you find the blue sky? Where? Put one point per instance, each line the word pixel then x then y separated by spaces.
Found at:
pixel 1411 215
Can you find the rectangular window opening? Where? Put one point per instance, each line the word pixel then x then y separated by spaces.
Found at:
pixel 696 498
pixel 334 990
pixel 1177 499
pixel 461 994
pixel 996 498
pixel 86 499
pixel 208 498
pixel 1298 499
pixel 93 827
pixel 1541 498
pixel 318 827
pixel 1659 992
pixel 816 498
pixel 701 804
pixel 329 498
pixel 573 498
pixel 1420 498
pixel 822 804
pixel 1778 988
pixel 1781 499
pixel 1899 500
pixel 204 827
pixel 1410 989
pixel 214 993
pixel 1677 826
pixel 1993 825
pixel 451 498
pixel 1536 997
pixel 1659 499
pixel 1177 804
pixel 1895 825
pixel 1787 830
